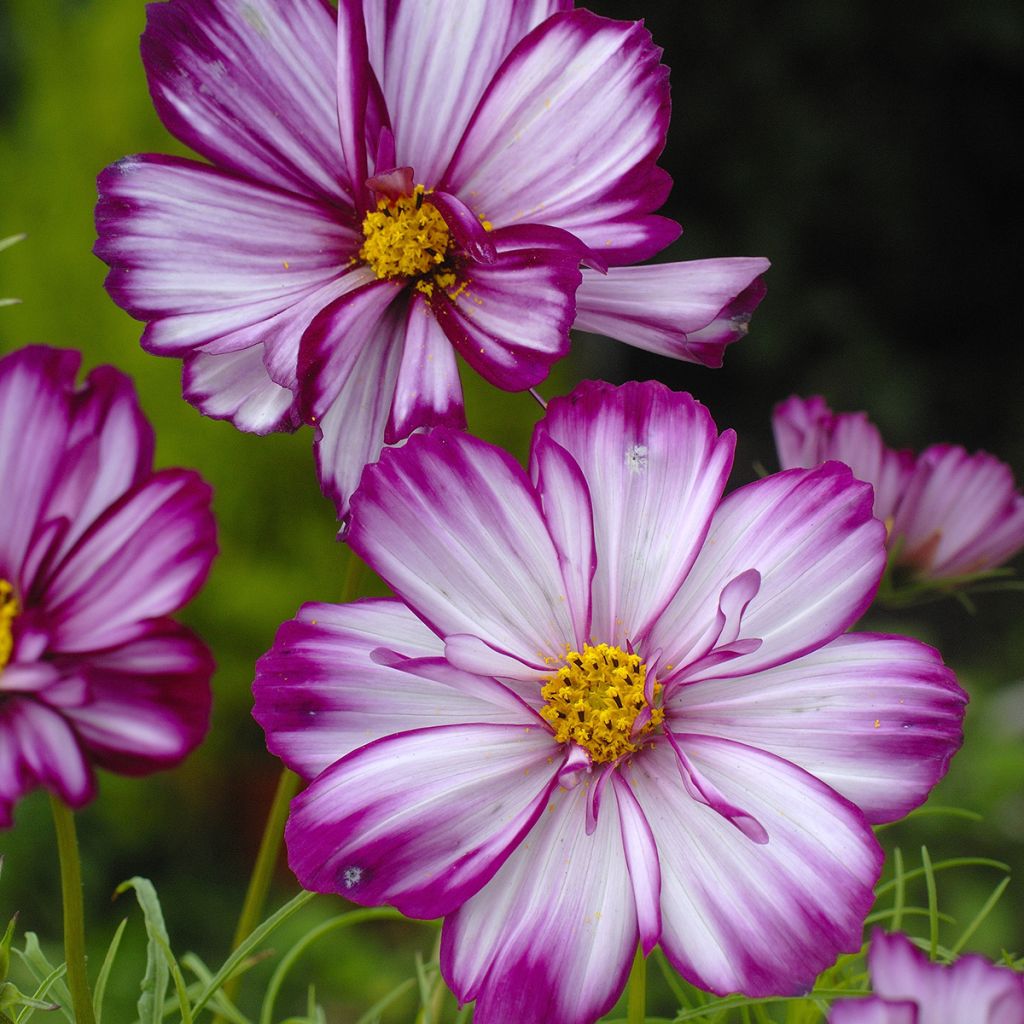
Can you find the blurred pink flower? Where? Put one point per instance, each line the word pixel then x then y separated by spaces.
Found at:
pixel 910 989
pixel 607 706
pixel 949 513
pixel 392 184
pixel 96 551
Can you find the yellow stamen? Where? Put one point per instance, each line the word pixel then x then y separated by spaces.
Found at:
pixel 405 237
pixel 595 699
pixel 9 608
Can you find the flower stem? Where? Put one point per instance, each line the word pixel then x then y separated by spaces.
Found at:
pixel 74 915
pixel 636 991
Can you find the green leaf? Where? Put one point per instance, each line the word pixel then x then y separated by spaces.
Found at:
pixel 154 981
pixel 101 980
pixel 48 976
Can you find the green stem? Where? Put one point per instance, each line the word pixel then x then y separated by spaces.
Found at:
pixel 636 990
pixel 74 915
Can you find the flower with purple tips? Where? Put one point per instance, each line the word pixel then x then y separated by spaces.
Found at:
pixel 390 185
pixel 607 706
pixel 910 989
pixel 97 550
pixel 949 514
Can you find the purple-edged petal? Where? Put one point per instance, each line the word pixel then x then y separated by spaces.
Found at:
pixel 961 513
pixel 235 386
pixel 819 551
pixel 552 936
pixel 875 717
pixel 38 748
pixel 352 82
pixel 453 526
pixel 204 254
pixel 144 558
pixel 427 391
pixel 761 919
pixel 467 231
pixel 565 499
pixel 35 414
pixel 656 467
pixel 418 51
pixel 350 433
pixel 421 819
pixel 808 433
pixel 658 307
pixel 148 701
pixel 567 134
pixel 321 694
pixel 970 989
pixel 510 319
pixel 251 88
pixel 873 1011
pixel 642 862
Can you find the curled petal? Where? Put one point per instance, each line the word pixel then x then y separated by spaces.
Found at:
pixel 642 861
pixel 465 227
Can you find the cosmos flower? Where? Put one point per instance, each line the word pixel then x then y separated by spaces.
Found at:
pixel 950 514
pixel 96 551
pixel 910 989
pixel 606 706
pixel 390 185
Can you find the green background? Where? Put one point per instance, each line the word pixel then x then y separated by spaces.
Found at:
pixel 875 162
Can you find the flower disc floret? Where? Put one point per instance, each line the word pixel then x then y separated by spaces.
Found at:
pixel 596 698
pixel 8 610
pixel 404 237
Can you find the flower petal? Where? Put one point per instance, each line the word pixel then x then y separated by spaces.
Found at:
pixel 250 88
pixel 872 1011
pixel 568 132
pixel 203 254
pixel 551 937
pixel 659 307
pixel 143 558
pixel 320 694
pixel 875 717
pixel 739 916
pixel 454 528
pixel 35 417
pixel 642 862
pixel 656 467
pixel 434 62
pixel 38 748
pixel 820 552
pixel 350 433
pixel 235 386
pixel 422 819
pixel 427 391
pixel 149 700
pixel 971 988
pixel 510 319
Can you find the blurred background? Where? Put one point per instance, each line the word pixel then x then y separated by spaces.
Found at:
pixel 875 160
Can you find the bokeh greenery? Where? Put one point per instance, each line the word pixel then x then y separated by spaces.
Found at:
pixel 873 160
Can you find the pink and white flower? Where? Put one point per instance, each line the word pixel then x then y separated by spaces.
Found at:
pixel 949 513
pixel 96 551
pixel 606 706
pixel 910 989
pixel 391 184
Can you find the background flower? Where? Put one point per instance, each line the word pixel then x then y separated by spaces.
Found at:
pixel 910 989
pixel 96 551
pixel 949 513
pixel 605 707
pixel 484 153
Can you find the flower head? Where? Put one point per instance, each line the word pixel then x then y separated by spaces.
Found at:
pixel 392 184
pixel 910 989
pixel 606 706
pixel 96 551
pixel 949 513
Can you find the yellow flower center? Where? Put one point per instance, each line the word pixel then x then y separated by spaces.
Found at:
pixel 405 237
pixel 9 608
pixel 595 699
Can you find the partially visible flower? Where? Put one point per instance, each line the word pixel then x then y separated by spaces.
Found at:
pixel 96 551
pixel 607 706
pixel 949 513
pixel 910 989
pixel 393 184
